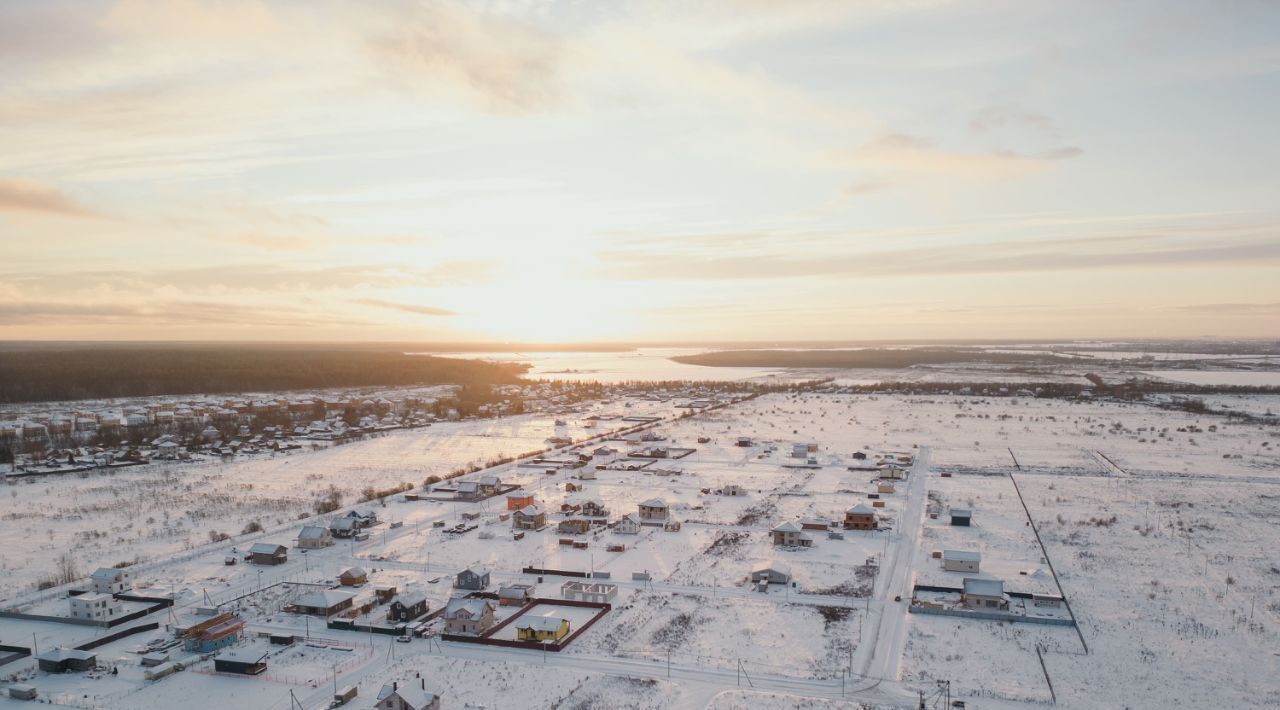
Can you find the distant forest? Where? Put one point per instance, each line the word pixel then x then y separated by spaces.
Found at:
pixel 870 358
pixel 34 374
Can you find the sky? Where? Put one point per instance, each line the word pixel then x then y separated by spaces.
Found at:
pixel 661 170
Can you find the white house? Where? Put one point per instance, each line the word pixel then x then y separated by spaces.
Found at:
pixel 94 606
pixel 110 580
pixel 628 525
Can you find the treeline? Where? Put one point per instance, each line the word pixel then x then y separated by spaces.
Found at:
pixel 81 372
pixel 869 358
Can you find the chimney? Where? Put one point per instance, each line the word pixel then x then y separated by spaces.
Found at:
pixel 394 686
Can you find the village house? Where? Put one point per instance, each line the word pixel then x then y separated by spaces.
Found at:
pixel 654 509
pixel 489 485
pixel 518 501
pixel 775 572
pixel 324 603
pixel 859 456
pixel 407 606
pixel 110 580
pixel 815 523
pixel 893 472
pixel 744 442
pixel 595 509
pixel 984 594
pixel 961 560
pixel 209 634
pixel 468 490
pixel 733 489
pixel 884 487
pixel 961 517
pixel 470 617
pixel 541 628
pixel 803 451
pixel 363 518
pixel 268 553
pixel 514 594
pixel 628 525
pixel 395 696
pixel 790 534
pixel 472 578
pixel 94 606
pixel 344 527
pixel 314 537
pixel 860 517
pixel 353 577
pixel 530 517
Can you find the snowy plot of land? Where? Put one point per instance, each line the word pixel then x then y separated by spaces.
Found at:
pixel 1165 549
pixel 142 513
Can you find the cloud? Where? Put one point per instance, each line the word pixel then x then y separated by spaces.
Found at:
pixel 168 314
pixel 1228 309
pixel 406 307
pixel 269 242
pixel 898 152
pixel 1139 250
pixel 865 187
pixel 249 278
pixel 505 65
pixel 23 195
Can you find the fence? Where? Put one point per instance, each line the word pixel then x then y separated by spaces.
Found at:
pixel 487 639
pixel 104 640
pixel 989 615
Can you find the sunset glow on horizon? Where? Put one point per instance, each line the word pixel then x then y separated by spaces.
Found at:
pixel 639 171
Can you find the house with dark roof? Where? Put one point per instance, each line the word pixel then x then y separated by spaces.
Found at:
pixel 268 553
pixel 472 578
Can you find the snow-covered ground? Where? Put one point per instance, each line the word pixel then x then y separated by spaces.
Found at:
pixel 1159 524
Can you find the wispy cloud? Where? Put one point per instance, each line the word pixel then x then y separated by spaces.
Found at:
pixel 406 307
pixel 167 314
pixel 504 65
pixel 1115 251
pixel 25 195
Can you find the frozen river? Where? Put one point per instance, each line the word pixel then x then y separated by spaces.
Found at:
pixel 1230 378
pixel 642 364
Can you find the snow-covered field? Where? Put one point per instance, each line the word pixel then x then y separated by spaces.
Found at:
pixel 1160 525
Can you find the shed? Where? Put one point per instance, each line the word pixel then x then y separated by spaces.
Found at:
pixel 242 661
pixel 353 577
pixel 961 516
pixel 62 659
pixel 514 594
pixel 775 572
pixel 22 691
pixel 961 560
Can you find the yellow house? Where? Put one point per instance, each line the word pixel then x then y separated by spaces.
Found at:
pixel 542 628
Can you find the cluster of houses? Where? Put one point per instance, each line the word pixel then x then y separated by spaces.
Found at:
pixel 580 518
